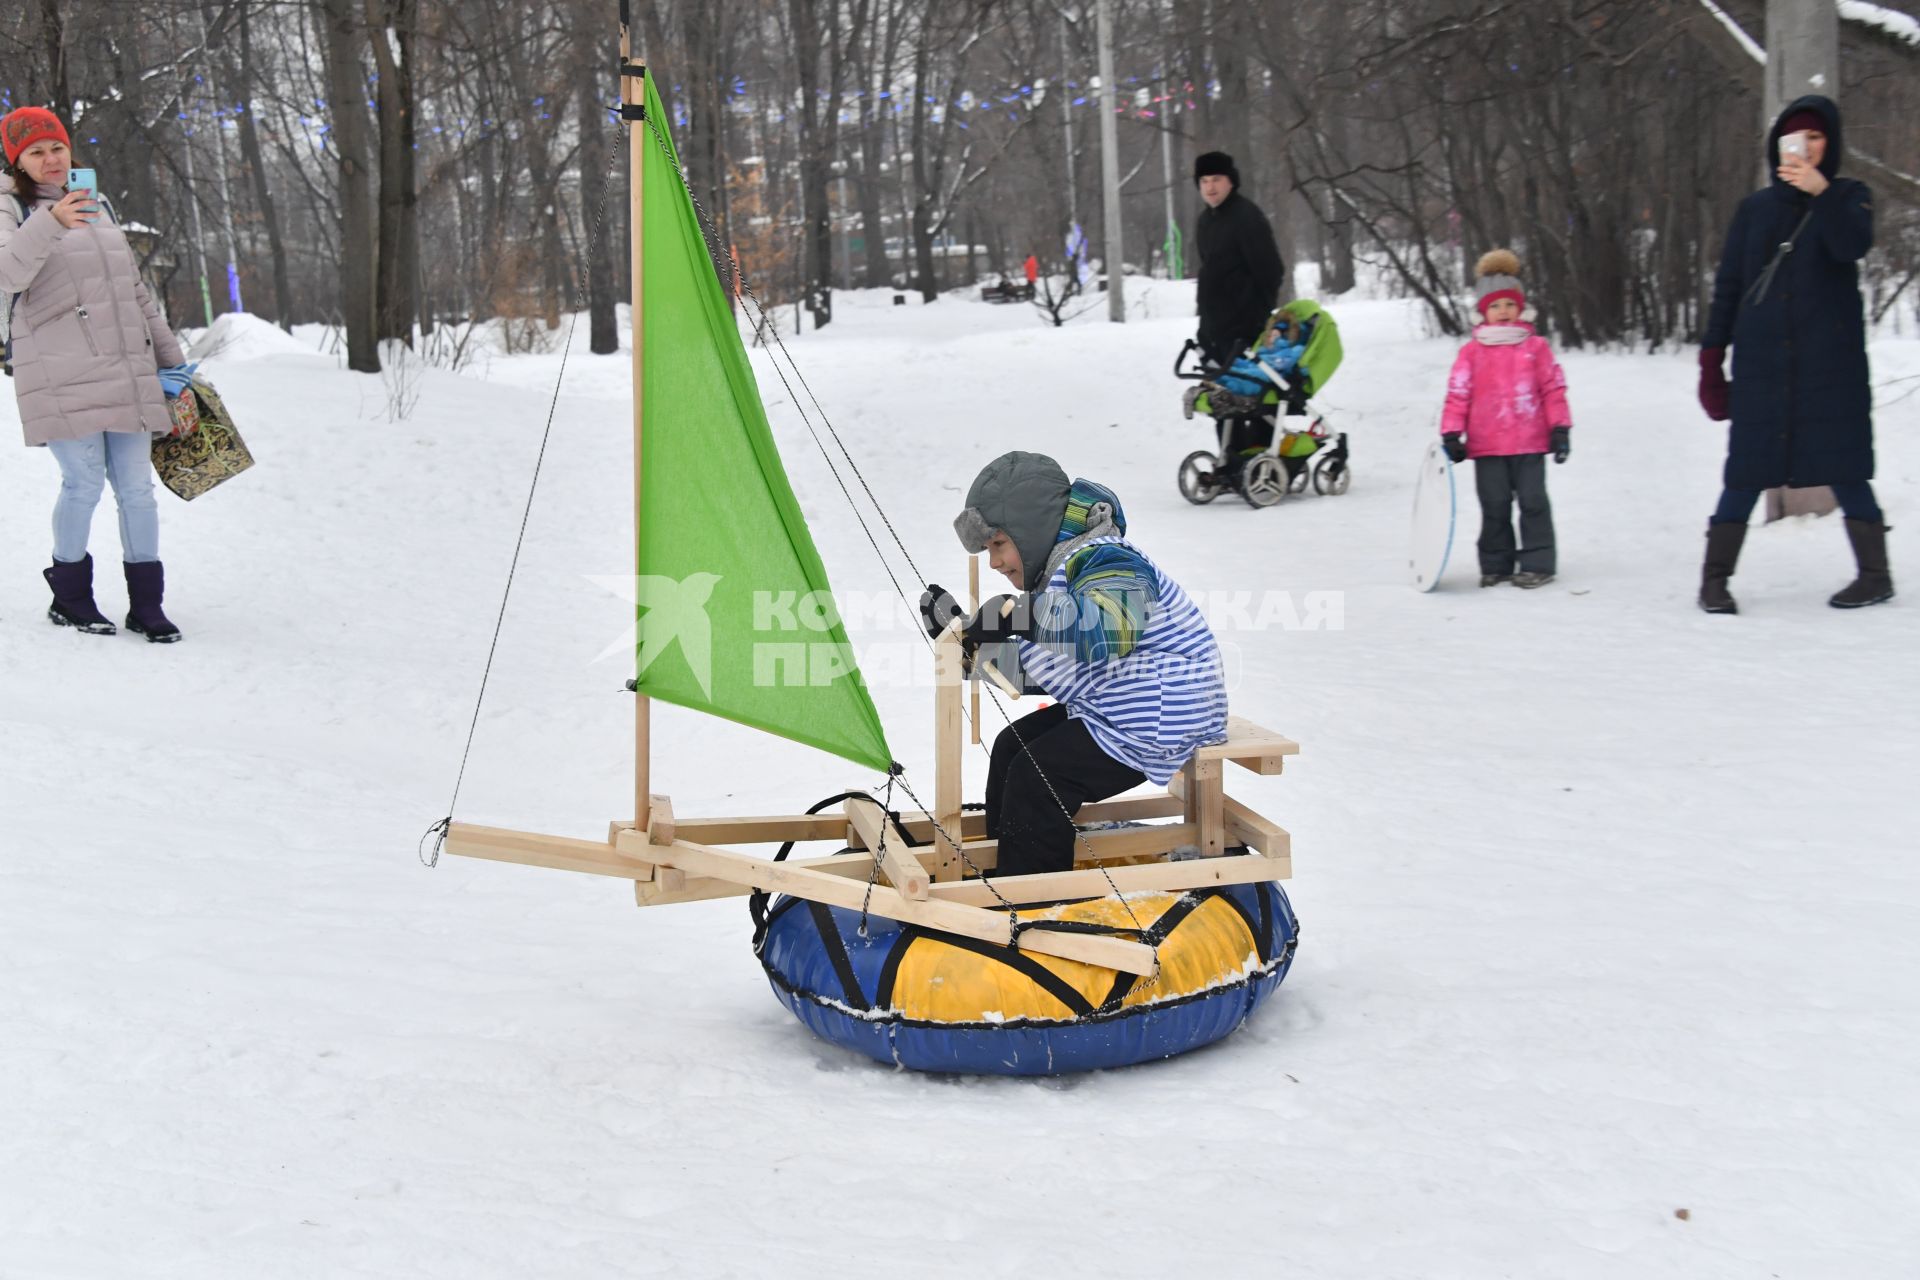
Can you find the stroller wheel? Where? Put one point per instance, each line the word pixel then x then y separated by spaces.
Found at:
pixel 1199 478
pixel 1263 481
pixel 1296 474
pixel 1332 476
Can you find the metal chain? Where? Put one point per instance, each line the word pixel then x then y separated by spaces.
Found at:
pixel 873 872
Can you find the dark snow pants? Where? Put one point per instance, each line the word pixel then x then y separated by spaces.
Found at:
pixel 1499 482
pixel 1033 823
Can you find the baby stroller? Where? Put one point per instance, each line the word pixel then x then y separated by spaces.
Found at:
pixel 1257 457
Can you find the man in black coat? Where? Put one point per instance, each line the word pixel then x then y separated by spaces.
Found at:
pixel 1239 286
pixel 1801 406
pixel 1240 267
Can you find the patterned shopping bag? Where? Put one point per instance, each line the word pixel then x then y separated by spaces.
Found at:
pixel 208 454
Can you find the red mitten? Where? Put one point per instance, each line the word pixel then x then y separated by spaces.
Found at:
pixel 1714 388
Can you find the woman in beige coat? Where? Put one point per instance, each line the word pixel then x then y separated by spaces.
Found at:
pixel 88 341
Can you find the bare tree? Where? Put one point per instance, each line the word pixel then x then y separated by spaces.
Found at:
pixel 346 83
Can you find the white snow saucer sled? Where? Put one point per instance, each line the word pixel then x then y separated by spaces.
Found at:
pixel 901 945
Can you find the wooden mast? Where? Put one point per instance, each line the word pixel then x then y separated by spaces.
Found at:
pixel 633 96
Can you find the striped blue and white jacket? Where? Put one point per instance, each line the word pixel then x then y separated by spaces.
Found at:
pixel 1124 648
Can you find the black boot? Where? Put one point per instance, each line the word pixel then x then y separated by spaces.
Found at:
pixel 1723 553
pixel 1875 583
pixel 146 583
pixel 73 598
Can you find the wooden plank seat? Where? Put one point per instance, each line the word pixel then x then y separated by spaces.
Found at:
pixel 1251 747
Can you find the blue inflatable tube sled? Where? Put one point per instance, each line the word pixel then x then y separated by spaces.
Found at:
pixel 934 1002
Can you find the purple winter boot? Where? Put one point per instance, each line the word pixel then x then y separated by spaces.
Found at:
pixel 146 583
pixel 73 598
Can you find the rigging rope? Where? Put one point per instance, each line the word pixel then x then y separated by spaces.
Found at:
pixel 438 831
pixel 722 261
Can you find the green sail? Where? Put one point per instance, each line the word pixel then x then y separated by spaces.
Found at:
pixel 735 615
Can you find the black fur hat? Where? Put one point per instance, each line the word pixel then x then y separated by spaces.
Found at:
pixel 1209 163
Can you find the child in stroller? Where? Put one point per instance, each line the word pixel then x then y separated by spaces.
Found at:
pixel 1292 360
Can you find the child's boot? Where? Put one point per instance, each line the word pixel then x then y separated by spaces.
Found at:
pixel 1723 553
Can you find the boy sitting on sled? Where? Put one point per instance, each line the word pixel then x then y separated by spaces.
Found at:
pixel 1131 664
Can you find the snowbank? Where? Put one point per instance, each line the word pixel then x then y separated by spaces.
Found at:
pixel 239 335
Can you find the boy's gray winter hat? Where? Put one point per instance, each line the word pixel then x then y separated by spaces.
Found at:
pixel 1024 495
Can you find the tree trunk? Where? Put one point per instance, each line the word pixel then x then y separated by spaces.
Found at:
pixel 1803 43
pixel 262 193
pixel 603 327
pixel 390 24
pixel 346 81
pixel 873 223
pixel 706 155
pixel 925 278
pixel 59 87
pixel 817 115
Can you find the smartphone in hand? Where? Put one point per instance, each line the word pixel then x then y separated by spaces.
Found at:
pixel 84 180
pixel 1794 144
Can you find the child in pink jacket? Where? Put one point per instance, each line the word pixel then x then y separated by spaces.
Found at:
pixel 1507 409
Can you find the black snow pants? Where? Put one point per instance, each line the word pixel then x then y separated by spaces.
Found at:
pixel 1499 482
pixel 1032 822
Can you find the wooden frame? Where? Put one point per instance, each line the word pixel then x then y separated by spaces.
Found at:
pixel 924 883
pixel 932 882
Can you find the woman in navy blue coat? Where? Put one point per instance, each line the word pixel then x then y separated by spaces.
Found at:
pixel 1787 299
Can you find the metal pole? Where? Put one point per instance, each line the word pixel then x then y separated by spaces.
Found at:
pixel 1110 170
pixel 193 196
pixel 226 194
pixel 1066 118
pixel 1175 268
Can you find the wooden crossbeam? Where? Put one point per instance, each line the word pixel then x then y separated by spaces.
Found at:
pixel 1167 877
pixel 903 869
pixel 850 866
pixel 803 828
pixel 946 917
pixel 1095 846
pixel 562 853
pixel 767 829
pixel 974 823
pixel 1101 846
pixel 1098 846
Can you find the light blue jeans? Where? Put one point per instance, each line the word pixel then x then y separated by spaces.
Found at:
pixel 86 464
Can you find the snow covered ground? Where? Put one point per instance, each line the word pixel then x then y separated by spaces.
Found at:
pixel 1608 907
